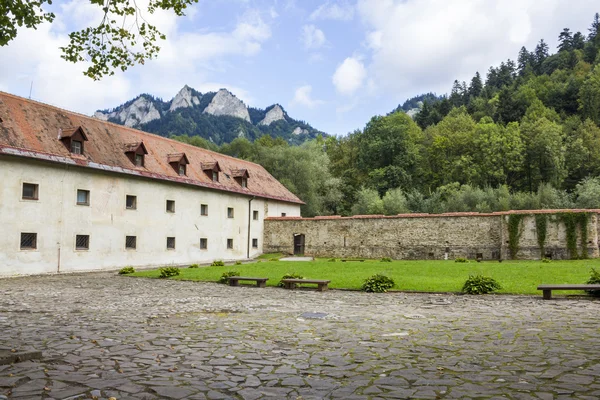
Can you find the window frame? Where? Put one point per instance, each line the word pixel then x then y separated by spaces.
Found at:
pixel 204 241
pixel 204 210
pixel 82 248
pixel 284 214
pixel 36 191
pixel 170 210
pixel 134 197
pixel 255 215
pixel 230 213
pixel 170 242
pixel 229 243
pixel 255 243
pixel 128 238
pixel 87 197
pixel 73 147
pixel 34 245
pixel 138 160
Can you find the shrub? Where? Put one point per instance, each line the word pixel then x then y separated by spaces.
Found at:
pixel 273 259
pixel 293 275
pixel 167 272
pixel 545 260
pixel 226 275
pixel 377 284
pixel 217 263
pixel 194 266
pixel 238 263
pixel 594 279
pixel 332 260
pixel 126 271
pixel 461 260
pixel 386 259
pixel 479 284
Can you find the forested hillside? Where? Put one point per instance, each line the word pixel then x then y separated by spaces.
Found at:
pixel 526 136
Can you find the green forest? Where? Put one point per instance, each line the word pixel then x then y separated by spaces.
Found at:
pixel 526 137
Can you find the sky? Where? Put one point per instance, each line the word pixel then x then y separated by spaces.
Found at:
pixel 334 63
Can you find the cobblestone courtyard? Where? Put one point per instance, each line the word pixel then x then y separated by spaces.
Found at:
pixel 105 335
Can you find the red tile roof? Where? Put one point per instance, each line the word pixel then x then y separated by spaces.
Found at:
pixel 30 129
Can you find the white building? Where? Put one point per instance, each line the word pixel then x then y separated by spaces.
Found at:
pixel 80 194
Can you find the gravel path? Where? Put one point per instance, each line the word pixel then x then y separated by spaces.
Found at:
pixel 104 335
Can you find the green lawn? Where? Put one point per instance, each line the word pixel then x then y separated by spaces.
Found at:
pixel 518 277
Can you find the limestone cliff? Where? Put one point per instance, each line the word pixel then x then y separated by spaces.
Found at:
pixel 274 114
pixel 225 103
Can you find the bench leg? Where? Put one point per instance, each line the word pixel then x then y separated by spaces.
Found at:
pixel 261 284
pixel 547 294
pixel 234 282
pixel 322 287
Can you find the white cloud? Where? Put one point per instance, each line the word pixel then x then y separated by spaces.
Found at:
pixel 302 97
pixel 341 11
pixel 421 45
pixel 312 37
pixel 349 76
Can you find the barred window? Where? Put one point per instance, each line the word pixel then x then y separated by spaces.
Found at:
pixel 30 191
pixel 83 197
pixel 131 242
pixel 171 206
pixel 82 242
pixel 203 243
pixel 203 209
pixel 255 243
pixel 76 147
pixel 230 243
pixel 28 241
pixel 170 243
pixel 255 215
pixel 229 212
pixel 130 202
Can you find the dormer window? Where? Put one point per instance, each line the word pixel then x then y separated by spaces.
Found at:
pixel 73 139
pixel 241 176
pixel 136 152
pixel 179 162
pixel 211 170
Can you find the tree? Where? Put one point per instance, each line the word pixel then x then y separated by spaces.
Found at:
pixel 539 55
pixel 394 202
pixel 367 202
pixel 588 193
pixel 476 86
pixel 524 61
pixel 589 96
pixel 565 40
pixel 594 28
pixel 122 38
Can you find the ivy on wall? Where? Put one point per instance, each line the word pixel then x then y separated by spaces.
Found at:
pixel 541 227
pixel 572 221
pixel 514 233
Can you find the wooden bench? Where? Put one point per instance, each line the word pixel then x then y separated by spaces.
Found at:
pixel 353 259
pixel 291 283
pixel 235 280
pixel 547 289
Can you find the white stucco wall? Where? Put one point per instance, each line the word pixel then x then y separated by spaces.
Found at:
pixel 57 219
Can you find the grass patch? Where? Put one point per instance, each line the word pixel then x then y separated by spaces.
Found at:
pixel 515 276
pixel 268 256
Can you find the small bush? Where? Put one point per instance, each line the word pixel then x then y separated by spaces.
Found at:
pixel 238 263
pixel 461 260
pixel 377 284
pixel 273 259
pixel 331 260
pixel 293 275
pixel 545 260
pixel 217 263
pixel 126 271
pixel 194 266
pixel 594 279
pixel 167 272
pixel 386 259
pixel 226 275
pixel 479 284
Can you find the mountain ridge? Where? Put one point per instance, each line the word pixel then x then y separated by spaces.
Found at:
pixel 219 117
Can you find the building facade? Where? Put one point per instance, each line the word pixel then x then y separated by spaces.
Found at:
pixel 80 194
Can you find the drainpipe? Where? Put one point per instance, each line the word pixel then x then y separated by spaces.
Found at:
pixel 249 214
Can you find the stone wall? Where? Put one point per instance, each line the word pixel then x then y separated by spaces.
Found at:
pixel 425 236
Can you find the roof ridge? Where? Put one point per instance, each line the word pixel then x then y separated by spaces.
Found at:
pixel 126 127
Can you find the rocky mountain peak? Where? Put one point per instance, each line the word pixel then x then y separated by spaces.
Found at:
pixel 140 111
pixel 274 114
pixel 225 103
pixel 184 98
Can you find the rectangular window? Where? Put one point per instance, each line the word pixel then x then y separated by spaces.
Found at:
pixel 230 243
pixel 203 243
pixel 28 241
pixel 131 242
pixel 203 209
pixel 139 160
pixel 255 215
pixel 171 206
pixel 255 243
pixel 244 182
pixel 215 176
pixel 76 147
pixel 283 214
pixel 30 191
pixel 181 169
pixel 170 243
pixel 130 202
pixel 83 197
pixel 82 242
pixel 229 212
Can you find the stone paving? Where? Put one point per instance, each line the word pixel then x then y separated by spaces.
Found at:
pixel 104 335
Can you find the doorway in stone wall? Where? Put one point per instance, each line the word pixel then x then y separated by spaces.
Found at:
pixel 298 244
